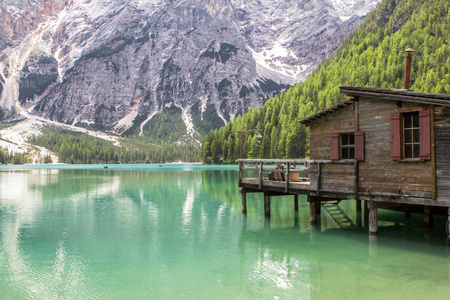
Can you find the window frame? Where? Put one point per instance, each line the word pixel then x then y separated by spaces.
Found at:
pixel 357 146
pixel 347 147
pixel 397 132
pixel 413 129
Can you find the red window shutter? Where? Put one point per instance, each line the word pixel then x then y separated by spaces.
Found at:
pixel 359 145
pixel 334 143
pixel 395 137
pixel 425 134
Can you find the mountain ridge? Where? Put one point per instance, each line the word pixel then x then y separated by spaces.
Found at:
pixel 116 65
pixel 372 56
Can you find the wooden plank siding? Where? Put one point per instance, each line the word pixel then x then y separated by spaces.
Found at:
pixel 321 130
pixel 377 175
pixel 378 172
pixel 442 142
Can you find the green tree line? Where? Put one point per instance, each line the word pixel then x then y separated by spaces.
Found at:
pixel 9 157
pixel 74 148
pixel 373 55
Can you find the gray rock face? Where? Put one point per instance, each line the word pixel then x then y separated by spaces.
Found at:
pixel 19 17
pixel 118 63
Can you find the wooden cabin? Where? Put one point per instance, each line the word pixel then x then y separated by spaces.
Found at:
pixel 390 148
pixel 400 141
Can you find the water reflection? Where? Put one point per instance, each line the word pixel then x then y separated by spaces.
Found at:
pixel 122 234
pixel 187 207
pixel 92 216
pixel 329 261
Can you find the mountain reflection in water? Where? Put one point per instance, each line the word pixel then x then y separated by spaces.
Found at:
pixel 177 232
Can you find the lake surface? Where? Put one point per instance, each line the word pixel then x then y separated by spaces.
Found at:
pixel 176 232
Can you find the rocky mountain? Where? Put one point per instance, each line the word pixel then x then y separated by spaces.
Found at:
pixel 140 66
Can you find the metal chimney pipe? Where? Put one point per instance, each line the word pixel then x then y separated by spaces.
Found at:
pixel 409 52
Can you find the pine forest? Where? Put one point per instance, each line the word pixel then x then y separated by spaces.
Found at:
pixel 372 56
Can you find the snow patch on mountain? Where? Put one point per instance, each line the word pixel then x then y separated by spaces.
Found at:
pixel 276 59
pixel 227 55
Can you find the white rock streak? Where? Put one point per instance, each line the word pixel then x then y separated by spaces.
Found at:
pixel 271 58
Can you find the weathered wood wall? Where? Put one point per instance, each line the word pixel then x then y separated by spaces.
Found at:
pixel 378 173
pixel 442 141
pixel 333 177
pixel 321 130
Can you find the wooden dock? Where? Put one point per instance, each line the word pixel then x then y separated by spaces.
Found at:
pixel 312 178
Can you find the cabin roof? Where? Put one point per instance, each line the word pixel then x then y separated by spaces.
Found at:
pixel 327 111
pixel 395 95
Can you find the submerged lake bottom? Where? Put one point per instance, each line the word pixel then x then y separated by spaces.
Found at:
pixel 177 232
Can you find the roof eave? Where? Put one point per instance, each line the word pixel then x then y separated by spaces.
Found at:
pixel 397 95
pixel 326 111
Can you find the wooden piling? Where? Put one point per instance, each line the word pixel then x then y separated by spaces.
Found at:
pixel 318 205
pixel 312 212
pixel 448 228
pixel 366 212
pixel 358 219
pixel 358 205
pixel 266 205
pixel 373 217
pixel 427 216
pixel 244 202
pixel 295 202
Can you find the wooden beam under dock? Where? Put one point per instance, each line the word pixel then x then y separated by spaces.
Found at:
pixel 314 209
pixel 373 217
pixel 427 216
pixel 244 202
pixel 448 228
pixel 267 204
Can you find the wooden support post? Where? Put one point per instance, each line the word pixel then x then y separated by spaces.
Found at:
pixel 312 211
pixel 244 202
pixel 358 205
pixel 427 216
pixel 241 172
pixel 288 174
pixel 448 228
pixel 373 218
pixel 295 202
pixel 318 205
pixel 358 219
pixel 266 205
pixel 261 174
pixel 366 212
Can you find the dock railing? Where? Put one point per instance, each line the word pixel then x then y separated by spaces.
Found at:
pixel 264 172
pixel 288 170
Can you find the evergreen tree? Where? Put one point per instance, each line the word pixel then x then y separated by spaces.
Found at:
pixel 373 55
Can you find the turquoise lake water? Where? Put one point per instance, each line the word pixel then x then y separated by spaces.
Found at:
pixel 176 232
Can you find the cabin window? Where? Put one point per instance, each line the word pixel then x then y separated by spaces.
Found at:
pixel 411 135
pixel 347 145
